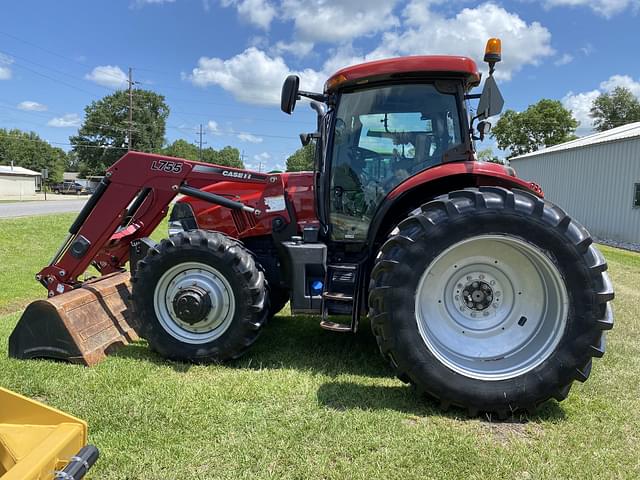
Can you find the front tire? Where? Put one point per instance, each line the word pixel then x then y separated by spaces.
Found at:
pixel 199 297
pixel 490 299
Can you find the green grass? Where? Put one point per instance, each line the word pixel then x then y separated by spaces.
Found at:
pixel 306 403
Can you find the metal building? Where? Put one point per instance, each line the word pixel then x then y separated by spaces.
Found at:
pixel 18 182
pixel 596 179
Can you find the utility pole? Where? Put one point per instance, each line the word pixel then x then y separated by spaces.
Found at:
pixel 201 133
pixel 242 155
pixel 131 83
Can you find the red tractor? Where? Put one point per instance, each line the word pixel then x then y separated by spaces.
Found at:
pixel 478 291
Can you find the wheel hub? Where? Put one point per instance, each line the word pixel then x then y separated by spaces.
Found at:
pixel 192 304
pixel 477 295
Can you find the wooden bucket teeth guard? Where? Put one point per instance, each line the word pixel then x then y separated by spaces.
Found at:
pixel 80 326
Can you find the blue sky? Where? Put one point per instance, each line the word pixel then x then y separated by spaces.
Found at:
pixel 221 62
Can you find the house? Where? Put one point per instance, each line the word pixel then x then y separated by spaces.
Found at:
pixel 18 182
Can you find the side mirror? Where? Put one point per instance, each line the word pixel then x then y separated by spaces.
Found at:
pixel 289 93
pixel 491 100
pixel 484 128
pixel 305 138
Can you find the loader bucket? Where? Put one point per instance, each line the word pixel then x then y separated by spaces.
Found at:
pixel 37 441
pixel 80 326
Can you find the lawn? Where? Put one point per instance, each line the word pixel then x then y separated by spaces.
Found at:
pixel 307 403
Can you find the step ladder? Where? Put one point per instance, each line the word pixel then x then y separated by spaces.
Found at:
pixel 341 283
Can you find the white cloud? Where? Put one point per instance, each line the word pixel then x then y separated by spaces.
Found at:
pixel 142 3
pixel 564 59
pixel 29 105
pixel 260 162
pixel 256 12
pixel 606 8
pixel 213 127
pixel 247 137
pixel 255 76
pixel 336 21
pixel 251 76
pixel 587 49
pixel 262 157
pixel 66 121
pixel 108 76
pixel 5 69
pixel 466 34
pixel 580 103
pixel 621 81
pixel 296 48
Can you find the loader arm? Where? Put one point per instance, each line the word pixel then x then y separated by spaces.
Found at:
pixel 129 203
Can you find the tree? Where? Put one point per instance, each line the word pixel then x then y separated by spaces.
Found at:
pixel 28 150
pixel 302 160
pixel 106 125
pixel 228 157
pixel 181 149
pixel 72 163
pixel 543 124
pixel 610 110
pixel 487 155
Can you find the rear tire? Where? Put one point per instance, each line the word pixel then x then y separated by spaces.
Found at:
pixel 199 297
pixel 480 354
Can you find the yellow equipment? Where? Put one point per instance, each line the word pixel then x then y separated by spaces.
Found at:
pixel 38 442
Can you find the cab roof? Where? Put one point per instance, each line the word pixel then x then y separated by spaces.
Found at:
pixel 419 65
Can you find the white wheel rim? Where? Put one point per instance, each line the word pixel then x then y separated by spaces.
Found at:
pixel 207 278
pixel 491 307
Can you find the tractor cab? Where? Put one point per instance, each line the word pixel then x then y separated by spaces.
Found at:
pixel 384 122
pixel 381 136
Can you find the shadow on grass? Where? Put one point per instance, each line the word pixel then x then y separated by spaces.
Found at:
pixel 141 351
pixel 295 343
pixel 404 398
pixel 299 343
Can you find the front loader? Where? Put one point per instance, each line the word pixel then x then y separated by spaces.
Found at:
pixel 478 290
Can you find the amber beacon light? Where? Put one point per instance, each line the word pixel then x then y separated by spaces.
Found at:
pixel 493 51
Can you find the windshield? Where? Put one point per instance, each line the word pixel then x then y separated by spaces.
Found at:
pixel 382 136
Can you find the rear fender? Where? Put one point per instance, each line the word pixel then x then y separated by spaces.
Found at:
pixel 426 185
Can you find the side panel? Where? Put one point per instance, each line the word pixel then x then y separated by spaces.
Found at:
pixel 299 191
